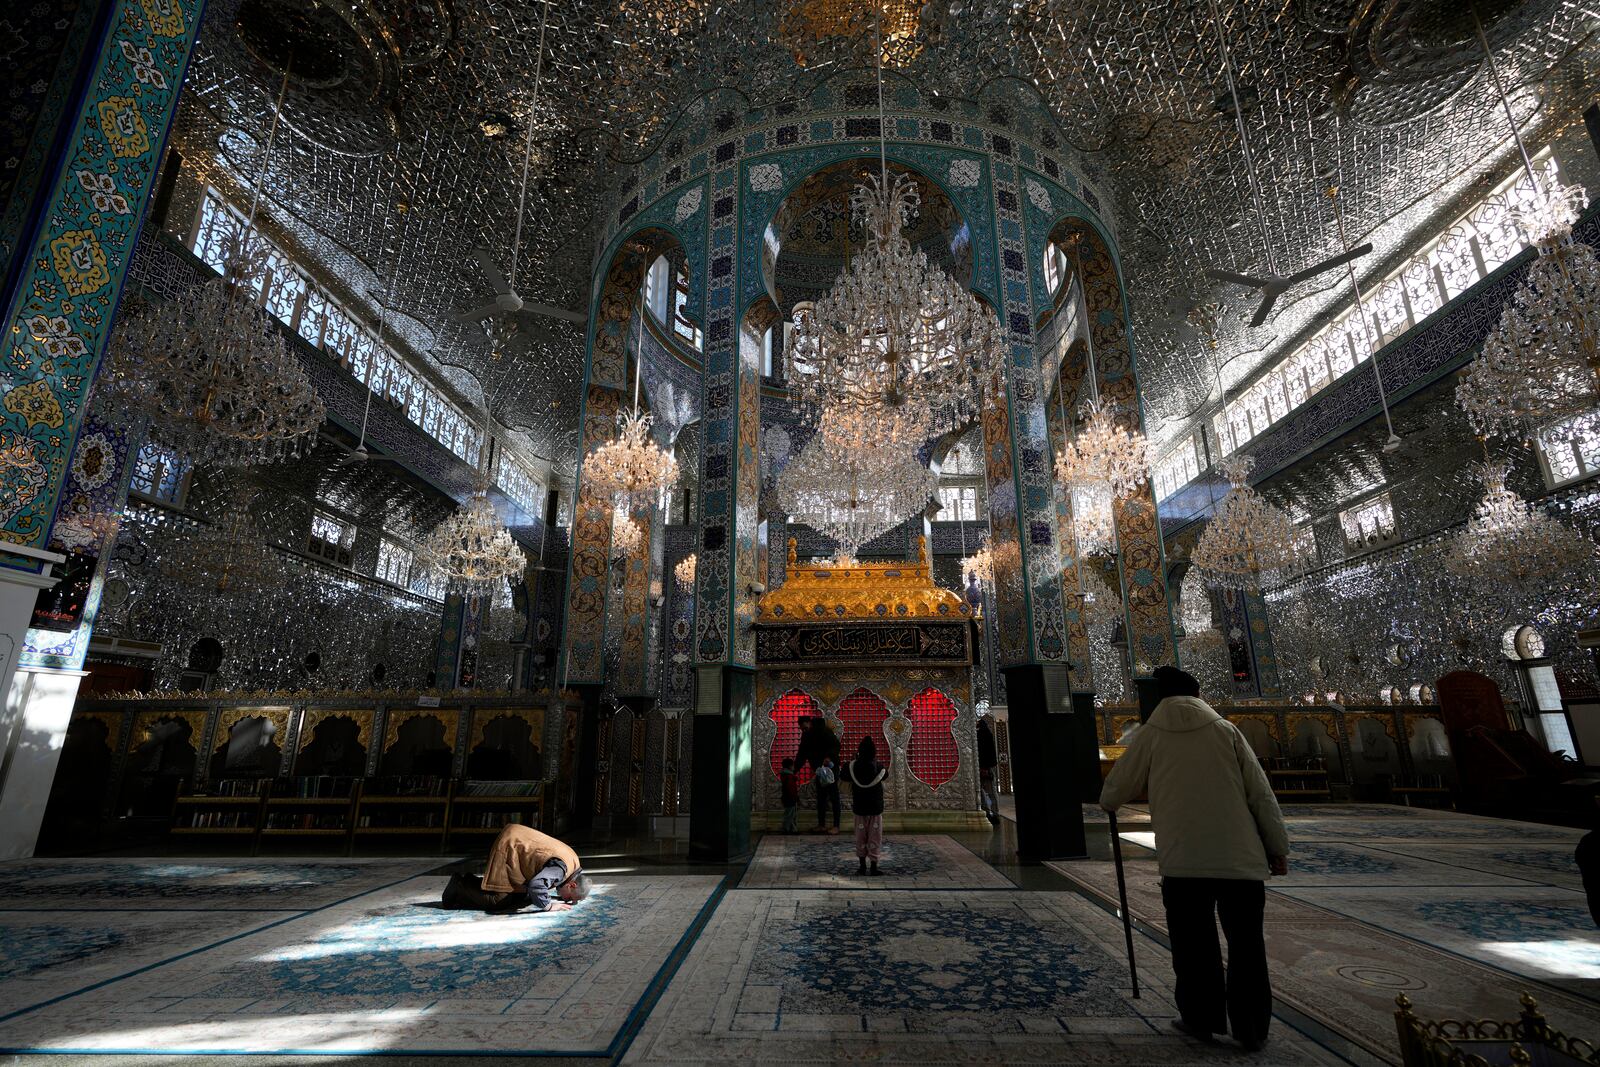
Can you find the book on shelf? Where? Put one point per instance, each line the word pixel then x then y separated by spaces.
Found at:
pixel 281 820
pixel 406 785
pixel 221 820
pixel 402 820
pixel 315 787
pixel 490 788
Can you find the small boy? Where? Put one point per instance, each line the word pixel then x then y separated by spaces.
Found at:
pixel 791 797
pixel 827 783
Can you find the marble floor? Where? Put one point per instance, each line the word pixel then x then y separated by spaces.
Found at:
pixel 955 955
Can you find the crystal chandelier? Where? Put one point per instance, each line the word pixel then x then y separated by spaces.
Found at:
pixel 1094 523
pixel 979 567
pixel 685 570
pixel 228 560
pixel 632 469
pixel 1102 453
pixel 1100 606
pixel 1248 543
pixel 627 535
pixel 210 370
pixel 894 328
pixel 853 493
pixel 472 548
pixel 1506 540
pixel 1194 614
pixel 1541 362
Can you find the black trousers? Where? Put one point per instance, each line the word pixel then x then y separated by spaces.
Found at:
pixel 465 892
pixel 1207 999
pixel 828 795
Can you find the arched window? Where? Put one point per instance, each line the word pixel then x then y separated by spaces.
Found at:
pixel 861 714
pixel 932 751
pixel 785 715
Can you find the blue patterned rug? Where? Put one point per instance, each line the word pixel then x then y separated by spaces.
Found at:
pixel 287 884
pixel 1001 977
pixel 908 861
pixel 391 972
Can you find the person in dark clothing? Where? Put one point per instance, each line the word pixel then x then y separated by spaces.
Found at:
pixel 789 781
pixel 818 745
pixel 866 803
pixel 1588 857
pixel 988 760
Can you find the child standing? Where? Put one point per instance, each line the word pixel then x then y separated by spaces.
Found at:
pixel 866 802
pixel 827 783
pixel 791 796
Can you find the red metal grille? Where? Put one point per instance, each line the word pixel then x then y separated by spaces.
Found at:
pixel 862 714
pixel 786 712
pixel 932 750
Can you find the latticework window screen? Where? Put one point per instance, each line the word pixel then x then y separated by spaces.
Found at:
pixel 786 712
pixel 932 751
pixel 862 714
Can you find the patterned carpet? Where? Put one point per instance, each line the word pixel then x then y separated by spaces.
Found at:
pixel 983 977
pixel 909 861
pixel 243 884
pixel 1461 913
pixel 389 971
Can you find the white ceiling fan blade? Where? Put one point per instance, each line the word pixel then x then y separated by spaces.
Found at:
pixel 491 270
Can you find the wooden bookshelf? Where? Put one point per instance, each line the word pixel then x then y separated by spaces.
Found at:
pixel 232 814
pixel 403 807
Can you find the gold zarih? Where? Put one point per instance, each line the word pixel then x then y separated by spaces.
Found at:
pixel 864 592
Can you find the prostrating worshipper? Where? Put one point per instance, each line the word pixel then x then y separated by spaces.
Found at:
pixel 1218 835
pixel 526 869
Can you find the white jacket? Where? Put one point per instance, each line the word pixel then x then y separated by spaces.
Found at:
pixel 1211 803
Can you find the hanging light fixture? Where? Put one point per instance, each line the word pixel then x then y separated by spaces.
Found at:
pixel 1102 457
pixel 1248 543
pixel 632 469
pixel 685 571
pixel 229 561
pixel 1539 371
pixel 627 535
pixel 1507 541
pixel 979 567
pixel 1100 605
pixel 895 330
pixel 853 493
pixel 210 370
pixel 472 549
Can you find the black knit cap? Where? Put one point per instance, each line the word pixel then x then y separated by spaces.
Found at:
pixel 1171 682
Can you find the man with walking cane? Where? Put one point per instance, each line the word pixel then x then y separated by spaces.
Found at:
pixel 1218 835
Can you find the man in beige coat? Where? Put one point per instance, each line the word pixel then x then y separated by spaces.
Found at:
pixel 1219 833
pixel 526 869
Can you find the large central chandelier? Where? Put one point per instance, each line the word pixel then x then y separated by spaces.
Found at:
pixel 1506 540
pixel 853 492
pixel 1248 543
pixel 894 329
pixel 210 370
pixel 632 470
pixel 472 549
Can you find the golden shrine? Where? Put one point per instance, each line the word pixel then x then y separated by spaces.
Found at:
pixel 862 592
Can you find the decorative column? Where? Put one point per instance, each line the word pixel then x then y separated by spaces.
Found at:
pixel 50 667
pixel 73 209
pixel 730 484
pixel 447 648
pixel 1047 734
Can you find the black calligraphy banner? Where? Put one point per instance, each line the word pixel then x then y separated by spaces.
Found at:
pixel 933 644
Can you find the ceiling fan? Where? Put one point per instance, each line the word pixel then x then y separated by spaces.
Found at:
pixel 1275 285
pixel 506 300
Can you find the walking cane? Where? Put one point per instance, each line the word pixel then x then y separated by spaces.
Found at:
pixel 1122 902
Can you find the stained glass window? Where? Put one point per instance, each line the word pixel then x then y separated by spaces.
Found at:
pixel 932 753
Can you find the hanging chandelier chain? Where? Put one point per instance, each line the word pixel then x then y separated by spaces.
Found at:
pixel 1500 90
pixel 1361 310
pixel 527 145
pixel 1244 139
pixel 266 155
